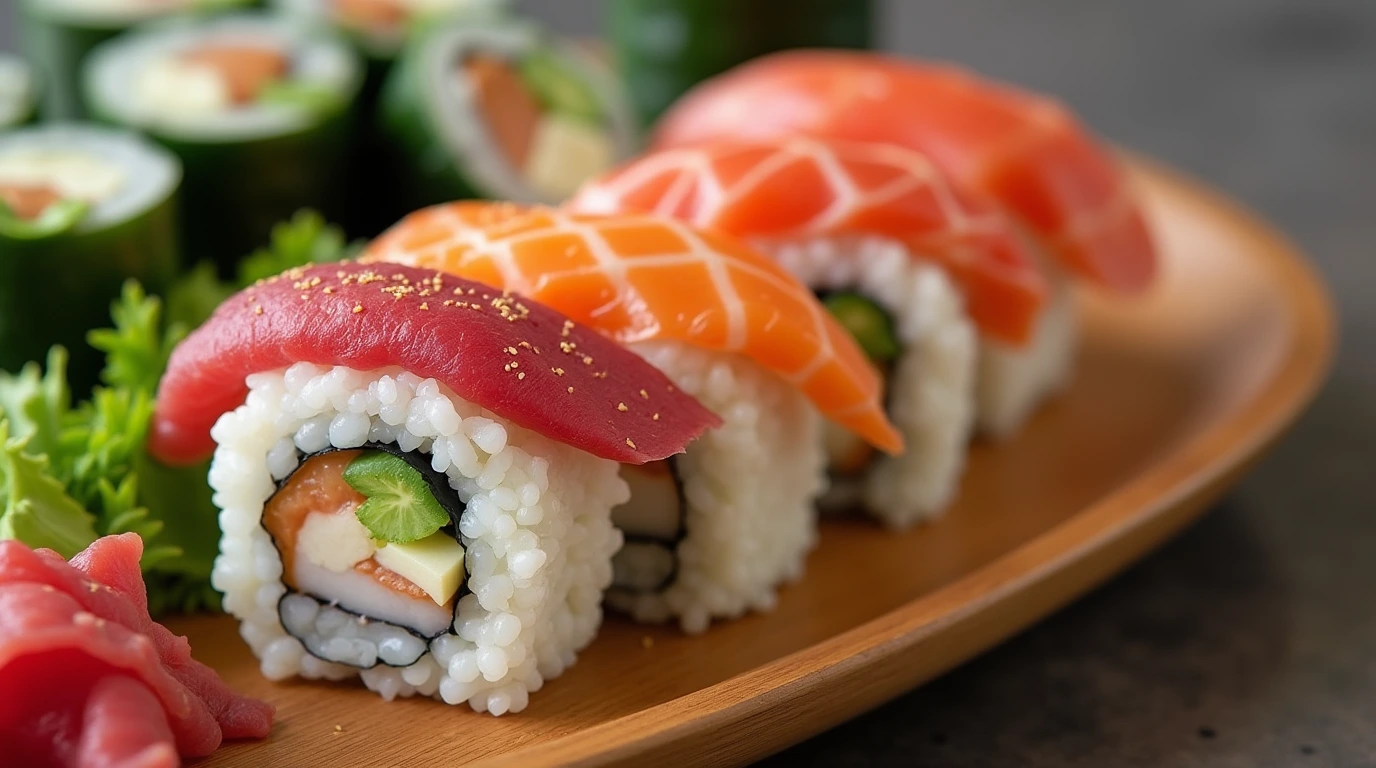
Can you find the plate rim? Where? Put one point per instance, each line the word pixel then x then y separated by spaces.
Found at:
pixel 740 718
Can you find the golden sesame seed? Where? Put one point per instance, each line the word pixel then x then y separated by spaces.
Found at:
pixel 655 417
pixel 520 375
pixel 511 350
pixel 358 308
pixel 329 290
pixel 507 367
pixel 587 359
pixel 558 371
pixel 570 390
pixel 631 443
pixel 258 310
pixel 425 305
pixel 645 394
pixel 524 345
pixel 622 407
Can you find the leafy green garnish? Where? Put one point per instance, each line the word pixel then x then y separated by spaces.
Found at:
pixel 37 403
pixel 558 89
pixel 36 509
pixel 400 507
pixel 315 99
pixel 306 239
pixel 137 348
pixel 54 220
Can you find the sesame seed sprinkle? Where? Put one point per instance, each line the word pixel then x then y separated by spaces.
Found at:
pixel 358 308
pixel 630 443
pixel 622 407
pixel 644 394
pixel 570 390
pixel 655 417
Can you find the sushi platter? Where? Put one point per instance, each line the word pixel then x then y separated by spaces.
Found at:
pixel 472 396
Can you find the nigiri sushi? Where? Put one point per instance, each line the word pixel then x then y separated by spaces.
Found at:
pixel 907 262
pixel 408 493
pixel 1025 151
pixel 714 532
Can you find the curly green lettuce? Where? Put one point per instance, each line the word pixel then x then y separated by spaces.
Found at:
pixel 71 472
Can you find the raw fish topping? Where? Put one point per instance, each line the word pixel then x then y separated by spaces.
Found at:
pixel 1026 151
pixel 639 277
pixel 498 350
pixel 800 188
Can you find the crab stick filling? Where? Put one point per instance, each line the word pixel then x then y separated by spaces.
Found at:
pixel 554 151
pixel 32 180
pixel 328 553
pixel 212 78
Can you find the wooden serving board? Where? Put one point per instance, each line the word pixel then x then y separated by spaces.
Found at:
pixel 1175 395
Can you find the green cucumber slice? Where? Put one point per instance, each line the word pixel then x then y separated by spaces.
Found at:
pixel 557 89
pixel 868 322
pixel 400 507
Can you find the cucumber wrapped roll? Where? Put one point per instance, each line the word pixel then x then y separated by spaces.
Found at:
pixel 665 47
pixel 81 209
pixel 499 109
pixel 59 34
pixel 258 109
pixel 18 92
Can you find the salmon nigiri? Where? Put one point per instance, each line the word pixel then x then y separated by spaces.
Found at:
pixel 713 532
pixel 1024 150
pixel 876 230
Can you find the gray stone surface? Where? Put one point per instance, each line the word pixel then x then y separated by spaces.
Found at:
pixel 1250 640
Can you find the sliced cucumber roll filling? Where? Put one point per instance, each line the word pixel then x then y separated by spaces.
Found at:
pixel 872 326
pixel 370 557
pixel 653 524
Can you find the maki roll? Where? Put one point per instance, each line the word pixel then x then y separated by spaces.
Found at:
pixel 18 92
pixel 906 262
pixel 409 495
pixel 57 36
pixel 257 108
pixel 665 47
pixel 1026 152
pixel 499 109
pixel 82 209
pixel 713 532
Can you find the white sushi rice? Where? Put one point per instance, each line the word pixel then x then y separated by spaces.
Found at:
pixel 1013 382
pixel 931 392
pixel 536 531
pixel 750 485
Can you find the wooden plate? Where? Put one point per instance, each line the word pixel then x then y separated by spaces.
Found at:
pixel 1174 397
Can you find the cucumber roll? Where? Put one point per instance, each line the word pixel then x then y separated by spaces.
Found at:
pixel 18 92
pixel 257 108
pixel 665 47
pixel 58 35
pixel 498 109
pixel 81 209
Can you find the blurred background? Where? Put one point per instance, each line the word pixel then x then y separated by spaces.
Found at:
pixel 1250 640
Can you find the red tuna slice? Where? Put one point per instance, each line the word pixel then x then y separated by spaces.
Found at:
pixel 105 581
pixel 496 350
pixel 49 645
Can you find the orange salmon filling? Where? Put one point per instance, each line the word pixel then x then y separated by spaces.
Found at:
pixel 246 69
pixel 318 487
pixel 28 202
pixel 511 111
pixel 369 14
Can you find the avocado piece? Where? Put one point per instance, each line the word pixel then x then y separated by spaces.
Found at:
pixel 434 563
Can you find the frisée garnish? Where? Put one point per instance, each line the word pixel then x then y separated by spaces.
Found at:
pixel 400 508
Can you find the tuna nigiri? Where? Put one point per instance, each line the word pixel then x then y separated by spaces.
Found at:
pixel 877 231
pixel 714 532
pixel 393 444
pixel 1023 150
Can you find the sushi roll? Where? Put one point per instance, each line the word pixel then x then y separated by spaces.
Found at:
pixel 713 532
pixel 257 108
pixel 58 35
pixel 18 92
pixel 910 265
pixel 408 494
pixel 1024 151
pixel 82 209
pixel 665 47
pixel 499 109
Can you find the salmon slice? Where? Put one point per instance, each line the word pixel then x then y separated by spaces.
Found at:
pixel 641 277
pixel 800 188
pixel 245 68
pixel 507 106
pixel 1026 151
pixel 28 202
